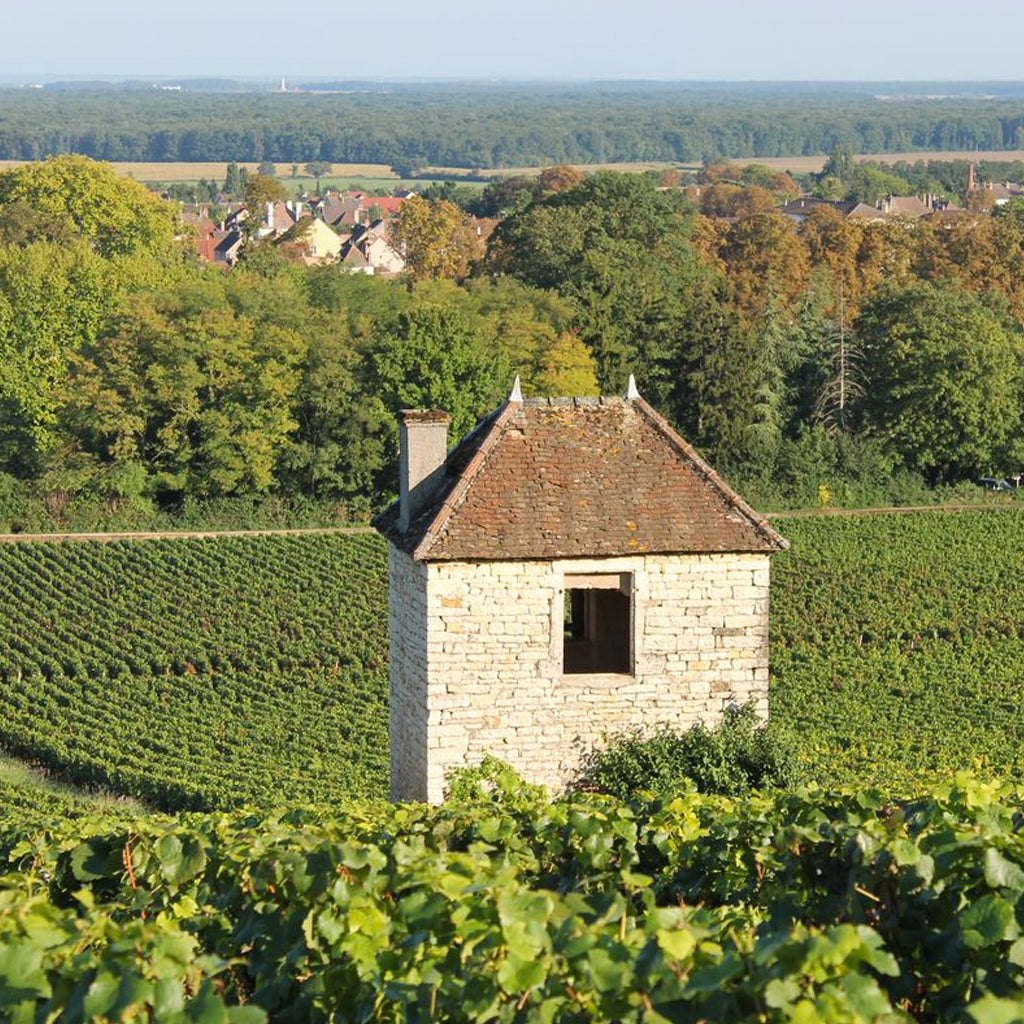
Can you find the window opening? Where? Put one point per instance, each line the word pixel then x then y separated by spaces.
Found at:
pixel 597 623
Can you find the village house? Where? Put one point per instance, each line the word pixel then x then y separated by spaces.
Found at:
pixel 369 250
pixel 570 569
pixel 345 211
pixel 907 207
pixel 312 240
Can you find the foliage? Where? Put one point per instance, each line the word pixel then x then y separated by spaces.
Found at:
pixel 791 907
pixel 439 238
pixel 734 757
pixel 568 368
pixel 200 397
pixel 434 358
pixel 943 378
pixel 54 298
pixel 199 673
pixel 412 125
pixel 115 214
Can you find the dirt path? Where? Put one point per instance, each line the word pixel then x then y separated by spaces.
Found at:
pixel 27 538
pixel 804 513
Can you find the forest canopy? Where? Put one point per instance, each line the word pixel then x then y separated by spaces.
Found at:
pixel 824 361
pixel 494 126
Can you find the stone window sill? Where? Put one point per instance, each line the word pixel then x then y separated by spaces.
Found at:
pixel 608 679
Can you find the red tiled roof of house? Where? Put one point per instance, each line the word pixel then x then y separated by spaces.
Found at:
pixel 206 247
pixel 388 204
pixel 564 478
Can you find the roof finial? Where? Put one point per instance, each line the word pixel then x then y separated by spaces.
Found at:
pixel 517 391
pixel 631 389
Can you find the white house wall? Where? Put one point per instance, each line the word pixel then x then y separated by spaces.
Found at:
pixel 476 660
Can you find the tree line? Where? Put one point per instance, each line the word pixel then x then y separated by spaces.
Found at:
pixel 445 125
pixel 825 361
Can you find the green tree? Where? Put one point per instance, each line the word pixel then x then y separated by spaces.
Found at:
pixel 339 448
pixel 568 368
pixel 840 164
pixel 115 214
pixel 719 368
pixel 235 179
pixel 431 357
pixel 198 395
pixel 267 168
pixel 318 169
pixel 943 379
pixel 619 249
pixel 54 298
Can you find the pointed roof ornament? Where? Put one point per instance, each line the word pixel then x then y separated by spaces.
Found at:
pixel 517 391
pixel 631 389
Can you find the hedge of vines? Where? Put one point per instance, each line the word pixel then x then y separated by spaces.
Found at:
pixel 508 907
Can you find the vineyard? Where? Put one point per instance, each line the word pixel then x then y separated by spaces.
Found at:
pixel 898 645
pixel 207 673
pixel 503 906
pixel 204 673
pixel 199 673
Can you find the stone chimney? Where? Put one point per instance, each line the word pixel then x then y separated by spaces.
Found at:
pixel 422 450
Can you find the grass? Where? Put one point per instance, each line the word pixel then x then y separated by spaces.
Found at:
pixel 24 784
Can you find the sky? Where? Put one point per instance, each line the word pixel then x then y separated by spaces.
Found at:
pixel 889 40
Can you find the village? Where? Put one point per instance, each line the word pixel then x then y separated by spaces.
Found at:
pixel 360 232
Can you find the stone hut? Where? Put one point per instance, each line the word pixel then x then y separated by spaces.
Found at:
pixel 571 568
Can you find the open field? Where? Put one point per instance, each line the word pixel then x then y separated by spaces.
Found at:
pixel 813 164
pixel 171 172
pixel 636 167
pixel 380 176
pixel 798 164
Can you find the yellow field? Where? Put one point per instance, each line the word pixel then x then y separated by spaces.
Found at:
pixel 799 164
pixel 215 171
pixel 169 172
pixel 813 164
pixel 508 172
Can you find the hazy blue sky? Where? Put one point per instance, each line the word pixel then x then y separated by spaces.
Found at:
pixel 668 39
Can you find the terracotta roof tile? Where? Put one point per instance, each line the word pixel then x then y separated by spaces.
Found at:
pixel 564 478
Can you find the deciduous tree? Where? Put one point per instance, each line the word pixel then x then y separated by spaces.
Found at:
pixel 440 239
pixel 943 379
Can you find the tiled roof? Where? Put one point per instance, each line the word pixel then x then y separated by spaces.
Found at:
pixel 564 478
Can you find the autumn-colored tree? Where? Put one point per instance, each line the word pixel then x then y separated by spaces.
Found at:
pixel 707 236
pixel 440 239
pixel 779 183
pixel 981 200
pixel 670 178
pixel 766 262
pixel 261 189
pixel 568 368
pixel 833 245
pixel 559 178
pixel 724 171
pixel 723 200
